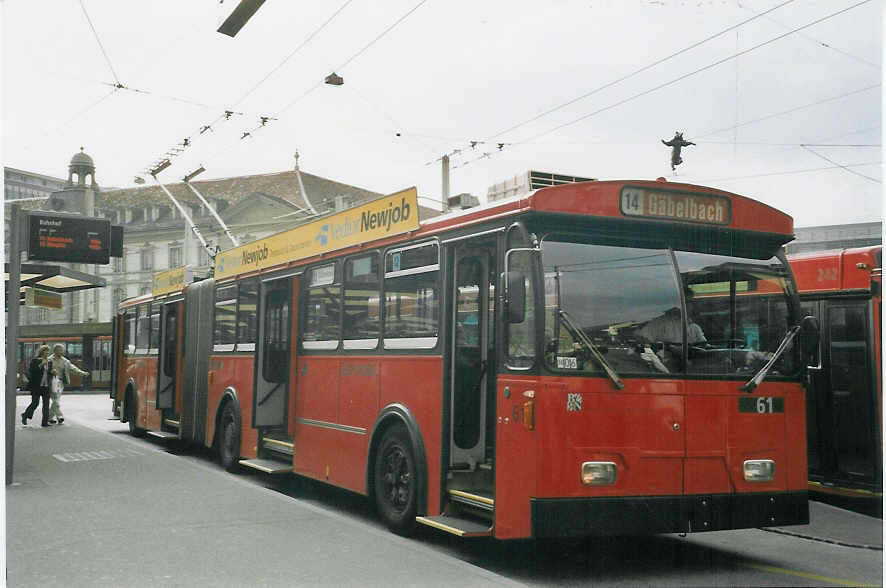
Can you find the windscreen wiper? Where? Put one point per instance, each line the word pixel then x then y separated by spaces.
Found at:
pixel 752 384
pixel 580 336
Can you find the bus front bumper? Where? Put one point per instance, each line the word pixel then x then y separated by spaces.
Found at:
pixel 634 515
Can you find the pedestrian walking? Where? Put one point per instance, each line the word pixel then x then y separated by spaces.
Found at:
pixel 39 381
pixel 61 368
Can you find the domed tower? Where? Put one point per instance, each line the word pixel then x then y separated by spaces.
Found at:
pixel 79 197
pixel 82 165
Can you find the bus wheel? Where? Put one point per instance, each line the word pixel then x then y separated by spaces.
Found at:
pixel 134 429
pixel 395 481
pixel 229 438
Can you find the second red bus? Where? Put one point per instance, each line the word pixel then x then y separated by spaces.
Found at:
pixel 843 288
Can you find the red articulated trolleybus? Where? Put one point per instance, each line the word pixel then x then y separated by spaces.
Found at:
pixel 843 288
pixel 611 357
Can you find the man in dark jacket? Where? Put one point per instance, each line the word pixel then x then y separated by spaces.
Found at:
pixel 39 379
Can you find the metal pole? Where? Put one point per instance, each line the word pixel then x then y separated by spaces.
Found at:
pixel 214 214
pixel 13 288
pixel 445 160
pixel 304 193
pixel 187 218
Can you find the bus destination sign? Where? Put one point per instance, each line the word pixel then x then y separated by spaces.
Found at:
pixel 54 237
pixel 675 206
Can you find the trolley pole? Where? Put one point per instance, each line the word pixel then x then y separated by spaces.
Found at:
pixel 194 228
pixel 13 289
pixel 215 215
pixel 445 173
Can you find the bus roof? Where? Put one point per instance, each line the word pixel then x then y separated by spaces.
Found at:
pixel 657 202
pixel 135 300
pixel 652 200
pixel 837 270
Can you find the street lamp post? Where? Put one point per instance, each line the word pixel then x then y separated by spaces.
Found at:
pixel 13 286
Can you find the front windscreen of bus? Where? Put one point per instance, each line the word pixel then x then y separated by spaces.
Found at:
pixel 628 303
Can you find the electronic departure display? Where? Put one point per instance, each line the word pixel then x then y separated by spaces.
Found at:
pixel 53 237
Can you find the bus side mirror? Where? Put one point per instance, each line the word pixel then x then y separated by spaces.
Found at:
pixel 810 338
pixel 516 297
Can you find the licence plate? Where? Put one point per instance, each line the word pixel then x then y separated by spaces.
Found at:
pixel 761 404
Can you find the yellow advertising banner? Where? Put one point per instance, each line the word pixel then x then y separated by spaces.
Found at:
pixel 170 281
pixel 391 215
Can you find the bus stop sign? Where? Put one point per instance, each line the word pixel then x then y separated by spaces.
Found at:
pixel 76 239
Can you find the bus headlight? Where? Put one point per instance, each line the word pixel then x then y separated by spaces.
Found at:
pixel 759 470
pixel 598 473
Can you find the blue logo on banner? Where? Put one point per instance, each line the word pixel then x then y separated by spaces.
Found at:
pixel 322 235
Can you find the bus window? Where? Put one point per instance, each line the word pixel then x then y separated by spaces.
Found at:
pixel 74 352
pixel 521 336
pixel 412 303
pixel 101 359
pixel 738 313
pixel 322 309
pixel 29 350
pixel 142 329
pixel 154 342
pixel 361 317
pixel 225 319
pixel 247 305
pixel 275 356
pixel 170 332
pixel 129 332
pixel 622 299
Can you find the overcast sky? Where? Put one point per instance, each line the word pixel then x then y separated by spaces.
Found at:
pixel 568 87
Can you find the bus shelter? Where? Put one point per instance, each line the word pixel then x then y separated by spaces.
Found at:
pixel 54 278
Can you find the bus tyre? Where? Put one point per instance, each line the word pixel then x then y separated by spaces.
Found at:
pixel 134 429
pixel 395 481
pixel 229 438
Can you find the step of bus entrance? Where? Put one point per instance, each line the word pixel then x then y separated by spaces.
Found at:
pixel 279 445
pixel 463 527
pixel 162 434
pixel 471 504
pixel 268 466
pixel 476 499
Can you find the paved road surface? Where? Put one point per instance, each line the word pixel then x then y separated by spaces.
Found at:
pixel 145 513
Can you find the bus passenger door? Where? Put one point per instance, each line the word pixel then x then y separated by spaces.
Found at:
pixel 272 357
pixel 470 357
pixel 848 398
pixel 167 359
pixel 817 399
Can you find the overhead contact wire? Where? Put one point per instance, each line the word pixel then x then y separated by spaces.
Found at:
pixel 641 70
pixel 788 111
pixel 296 50
pixel 697 71
pixel 99 41
pixel 840 165
pixel 675 80
pixel 355 55
pixel 249 133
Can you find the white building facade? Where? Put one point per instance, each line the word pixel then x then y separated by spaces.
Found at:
pixel 156 236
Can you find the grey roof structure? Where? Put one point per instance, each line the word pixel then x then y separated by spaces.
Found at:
pixel 319 192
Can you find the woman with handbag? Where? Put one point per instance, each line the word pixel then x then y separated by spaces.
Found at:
pixel 39 380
